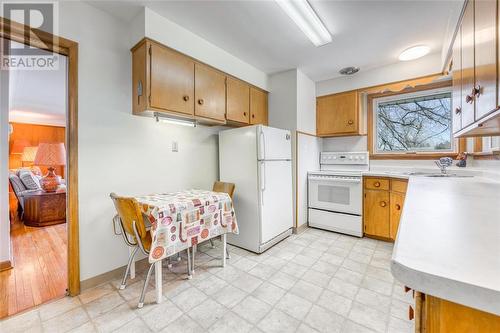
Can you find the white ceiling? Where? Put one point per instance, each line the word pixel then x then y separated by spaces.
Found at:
pixel 38 96
pixel 366 34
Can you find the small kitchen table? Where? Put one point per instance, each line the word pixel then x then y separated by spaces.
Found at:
pixel 181 220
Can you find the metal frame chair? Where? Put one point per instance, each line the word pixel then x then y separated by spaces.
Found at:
pixel 129 212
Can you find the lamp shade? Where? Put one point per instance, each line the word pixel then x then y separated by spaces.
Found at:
pixel 50 154
pixel 18 146
pixel 29 154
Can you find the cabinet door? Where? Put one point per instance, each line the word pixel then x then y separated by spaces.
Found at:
pixel 485 14
pixel 172 80
pixel 238 101
pixel 210 93
pixel 258 106
pixel 337 114
pixel 456 74
pixel 468 65
pixel 376 213
pixel 397 199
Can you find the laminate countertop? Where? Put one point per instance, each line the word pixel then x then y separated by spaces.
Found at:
pixel 448 242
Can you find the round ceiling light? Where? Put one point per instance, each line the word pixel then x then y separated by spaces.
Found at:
pixel 414 52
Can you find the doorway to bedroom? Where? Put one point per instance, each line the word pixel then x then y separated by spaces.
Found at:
pixel 37 192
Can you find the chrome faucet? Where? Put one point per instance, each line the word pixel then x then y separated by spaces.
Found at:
pixel 443 163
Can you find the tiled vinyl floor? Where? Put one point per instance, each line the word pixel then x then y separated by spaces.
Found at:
pixel 317 281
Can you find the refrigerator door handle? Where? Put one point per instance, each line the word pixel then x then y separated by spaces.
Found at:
pixel 262 181
pixel 262 145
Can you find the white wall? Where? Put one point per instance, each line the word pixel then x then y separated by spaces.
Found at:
pixel 403 70
pixel 119 152
pixel 4 166
pixel 283 100
pixel 306 104
pixel 167 32
pixel 308 148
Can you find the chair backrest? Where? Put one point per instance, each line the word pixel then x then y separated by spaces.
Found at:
pixel 224 187
pixel 129 211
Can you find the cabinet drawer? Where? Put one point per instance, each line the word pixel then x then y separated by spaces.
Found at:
pixel 399 185
pixel 376 183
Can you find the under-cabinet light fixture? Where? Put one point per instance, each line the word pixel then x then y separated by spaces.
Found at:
pixel 169 120
pixel 301 12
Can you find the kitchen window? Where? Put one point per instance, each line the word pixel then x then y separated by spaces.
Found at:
pixel 414 123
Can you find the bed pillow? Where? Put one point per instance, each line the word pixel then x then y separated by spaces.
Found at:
pixel 29 180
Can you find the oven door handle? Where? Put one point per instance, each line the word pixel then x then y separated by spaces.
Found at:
pixel 334 180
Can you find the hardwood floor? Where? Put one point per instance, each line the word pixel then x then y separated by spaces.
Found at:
pixel 40 268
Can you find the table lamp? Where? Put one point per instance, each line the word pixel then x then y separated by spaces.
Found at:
pixel 50 154
pixel 28 155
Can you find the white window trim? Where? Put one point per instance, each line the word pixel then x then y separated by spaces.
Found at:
pixel 491 144
pixel 416 94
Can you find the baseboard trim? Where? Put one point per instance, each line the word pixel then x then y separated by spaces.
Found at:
pixel 6 265
pixel 111 275
pixel 300 229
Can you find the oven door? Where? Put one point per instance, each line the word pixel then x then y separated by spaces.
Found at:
pixel 335 193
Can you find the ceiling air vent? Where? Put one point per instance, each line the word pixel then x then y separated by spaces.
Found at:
pixel 349 70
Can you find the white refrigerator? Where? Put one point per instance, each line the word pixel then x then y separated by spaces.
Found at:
pixel 257 159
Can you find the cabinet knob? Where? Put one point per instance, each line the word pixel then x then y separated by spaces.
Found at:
pixel 350 122
pixel 398 207
pixel 458 110
pixel 376 184
pixel 245 114
pixel 253 116
pixel 185 98
pixel 469 99
pixel 201 101
pixel 383 203
pixel 476 91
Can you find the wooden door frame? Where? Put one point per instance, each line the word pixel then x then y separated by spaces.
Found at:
pixel 49 42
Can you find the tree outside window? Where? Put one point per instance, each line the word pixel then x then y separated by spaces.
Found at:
pixel 414 123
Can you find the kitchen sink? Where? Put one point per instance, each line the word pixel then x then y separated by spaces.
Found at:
pixel 453 175
pixel 438 175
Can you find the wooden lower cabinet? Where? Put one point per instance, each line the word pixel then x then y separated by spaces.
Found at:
pixel 397 199
pixel 376 213
pixel 382 206
pixel 436 315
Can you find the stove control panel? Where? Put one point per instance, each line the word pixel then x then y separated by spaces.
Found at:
pixel 344 158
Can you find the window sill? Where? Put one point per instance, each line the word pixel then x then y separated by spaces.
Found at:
pixel 416 156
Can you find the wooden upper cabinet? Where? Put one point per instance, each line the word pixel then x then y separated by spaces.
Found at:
pixel 468 65
pixel 210 93
pixel 485 32
pixel 338 114
pixel 258 107
pixel 376 210
pixel 456 73
pixel 237 101
pixel 140 77
pixel 172 80
pixel 167 82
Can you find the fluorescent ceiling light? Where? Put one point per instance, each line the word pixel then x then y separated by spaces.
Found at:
pixel 168 120
pixel 414 52
pixel 301 12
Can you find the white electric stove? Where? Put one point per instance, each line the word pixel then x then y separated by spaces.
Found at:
pixel 335 192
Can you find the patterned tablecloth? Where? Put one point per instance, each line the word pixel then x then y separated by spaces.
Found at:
pixel 182 219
